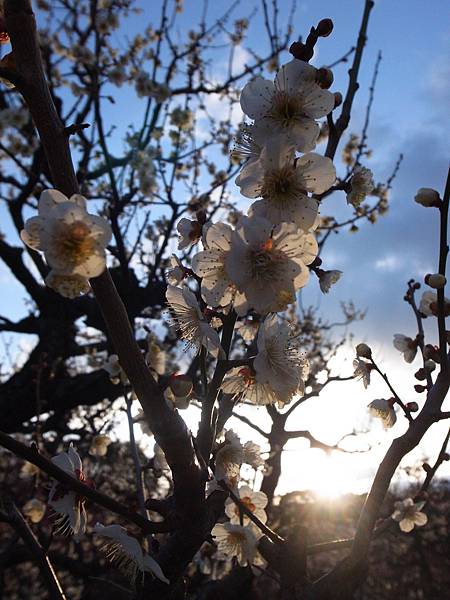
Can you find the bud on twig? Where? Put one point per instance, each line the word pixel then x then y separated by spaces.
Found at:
pixel 337 99
pixel 324 27
pixel 435 280
pixel 428 197
pixel 412 406
pixel 363 350
pixel 426 467
pixel 419 388
pixel 324 78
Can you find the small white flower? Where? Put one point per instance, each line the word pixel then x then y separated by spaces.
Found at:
pixel 66 503
pixel 235 540
pixel 99 445
pixel 155 357
pixel 435 280
pixel 384 410
pixel 217 288
pixel 283 183
pixel 290 105
pixel 408 514
pixel 361 184
pixel 427 197
pixel 254 501
pixel 34 509
pixel 241 381
pixel 429 304
pixel 280 364
pixel 72 240
pixel 229 459
pixel 362 371
pixel 406 345
pixel 190 321
pixel 252 455
pixel 182 118
pixel 268 265
pixel 115 371
pixel 327 279
pixel 126 551
pixel 176 273
pixel 190 233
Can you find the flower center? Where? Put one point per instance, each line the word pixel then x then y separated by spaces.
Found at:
pixel 247 502
pixel 281 185
pixel 75 243
pixel 286 108
pixel 264 261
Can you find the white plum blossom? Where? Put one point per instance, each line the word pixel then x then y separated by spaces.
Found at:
pixel 99 445
pixel 176 273
pixel 362 371
pixel 34 510
pixel 406 345
pixel 241 381
pixel 182 118
pixel 253 501
pixel 189 231
pixel 189 319
pixel 327 279
pixel 290 105
pixel 155 357
pixel 115 371
pixel 72 240
pixel 408 514
pixel 247 329
pixel 252 455
pixel 245 146
pixel 280 364
pixel 68 504
pixel 429 304
pixel 268 265
pixel 384 410
pixel 283 183
pixel 435 280
pixel 361 184
pixel 126 551
pixel 235 541
pixel 228 460
pixel 217 288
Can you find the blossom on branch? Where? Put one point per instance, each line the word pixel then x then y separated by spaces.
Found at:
pixel 406 345
pixel 34 510
pixel 362 371
pixel 361 185
pixel 68 504
pixel 290 105
pixel 280 364
pixel 268 265
pixel 235 541
pixel 384 410
pixel 253 501
pixel 283 183
pixel 72 240
pixel 126 552
pixel 408 514
pixel 190 321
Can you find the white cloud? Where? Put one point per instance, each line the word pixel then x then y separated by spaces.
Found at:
pixel 389 263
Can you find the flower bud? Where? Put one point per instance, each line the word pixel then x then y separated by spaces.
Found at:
pixel 363 350
pixel 446 456
pixel 421 374
pixel 420 388
pixel 431 352
pixel 337 99
pixel 324 78
pixel 180 385
pixel 412 406
pixel 435 280
pixel 296 49
pixel 430 365
pixel 427 197
pixel 426 467
pixel 324 27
